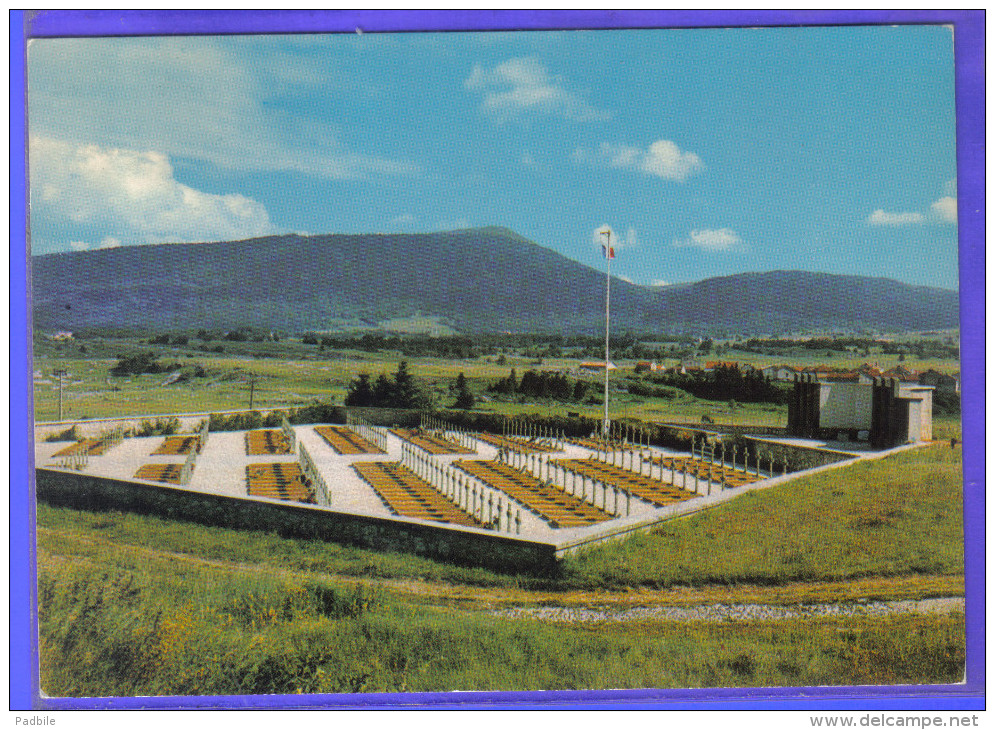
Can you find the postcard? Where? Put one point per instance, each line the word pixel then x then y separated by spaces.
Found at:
pixel 599 357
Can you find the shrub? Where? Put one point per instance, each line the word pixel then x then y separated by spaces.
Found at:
pixel 236 421
pixel 140 364
pixel 73 433
pixel 314 413
pixel 158 427
pixel 946 403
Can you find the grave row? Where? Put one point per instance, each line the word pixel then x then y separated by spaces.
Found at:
pixel 278 481
pixel 406 494
pixel 267 442
pixel 345 441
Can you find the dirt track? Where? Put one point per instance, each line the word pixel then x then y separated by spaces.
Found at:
pixel 735 612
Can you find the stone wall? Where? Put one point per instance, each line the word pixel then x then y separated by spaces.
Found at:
pixel 713 428
pixel 441 542
pixel 796 458
pixel 91 428
pixel 401 417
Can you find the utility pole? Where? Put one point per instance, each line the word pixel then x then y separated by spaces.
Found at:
pixel 252 389
pixel 60 373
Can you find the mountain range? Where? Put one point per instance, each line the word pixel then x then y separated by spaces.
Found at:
pixel 485 279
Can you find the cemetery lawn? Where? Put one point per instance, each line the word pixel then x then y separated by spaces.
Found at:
pixel 133 604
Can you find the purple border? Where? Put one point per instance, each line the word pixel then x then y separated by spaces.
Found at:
pixel 969 54
pixel 51 23
pixel 23 664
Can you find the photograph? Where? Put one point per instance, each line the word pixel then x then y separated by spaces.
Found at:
pixel 578 356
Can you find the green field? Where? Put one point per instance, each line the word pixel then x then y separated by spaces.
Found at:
pixel 132 604
pixel 283 382
pixel 899 515
pixel 111 629
pixel 289 373
pixel 94 393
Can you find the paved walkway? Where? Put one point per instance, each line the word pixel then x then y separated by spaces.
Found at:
pixel 348 492
pixel 121 461
pixel 857 448
pixel 220 467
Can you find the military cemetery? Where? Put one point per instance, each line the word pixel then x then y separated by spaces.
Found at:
pixel 528 481
pixel 341 384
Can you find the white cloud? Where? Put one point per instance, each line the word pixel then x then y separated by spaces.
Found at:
pixel 945 209
pixel 660 282
pixel 662 158
pixel 624 278
pixel 522 85
pixel 199 98
pixel 884 218
pixel 405 219
pixel 106 242
pixel 721 239
pixel 457 224
pixel 134 193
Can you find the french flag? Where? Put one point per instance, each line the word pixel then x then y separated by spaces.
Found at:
pixel 608 251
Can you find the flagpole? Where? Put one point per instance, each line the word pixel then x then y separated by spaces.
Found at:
pixel 608 285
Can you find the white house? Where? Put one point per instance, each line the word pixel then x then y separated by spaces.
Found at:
pixel 781 372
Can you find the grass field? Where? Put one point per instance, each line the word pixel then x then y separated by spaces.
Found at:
pixel 95 393
pixel 138 605
pixel 898 515
pixel 117 630
pixel 291 374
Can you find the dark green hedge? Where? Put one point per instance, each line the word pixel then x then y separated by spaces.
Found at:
pixel 314 413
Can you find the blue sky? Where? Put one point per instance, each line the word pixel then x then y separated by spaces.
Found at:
pixel 708 152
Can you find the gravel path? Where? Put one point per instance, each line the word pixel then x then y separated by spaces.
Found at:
pixel 736 612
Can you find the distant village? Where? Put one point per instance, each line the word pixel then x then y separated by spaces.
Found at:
pixel 864 374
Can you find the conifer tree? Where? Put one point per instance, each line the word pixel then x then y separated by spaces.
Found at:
pixel 360 392
pixel 464 398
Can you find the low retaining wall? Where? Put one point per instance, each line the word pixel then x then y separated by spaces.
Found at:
pixel 92 427
pixel 723 428
pixel 454 545
pixel 401 417
pixel 797 458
